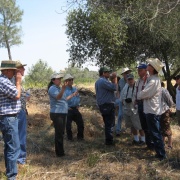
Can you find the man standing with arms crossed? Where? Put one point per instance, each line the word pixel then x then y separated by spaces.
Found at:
pixel 10 105
pixel 105 97
pixel 140 84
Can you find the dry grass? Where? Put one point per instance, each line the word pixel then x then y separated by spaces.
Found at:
pixel 90 159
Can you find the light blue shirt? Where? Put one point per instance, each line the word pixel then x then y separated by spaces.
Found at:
pixel 178 98
pixel 121 84
pixel 105 91
pixel 57 106
pixel 74 101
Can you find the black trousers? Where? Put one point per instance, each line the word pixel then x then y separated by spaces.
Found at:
pixel 142 117
pixel 59 121
pixel 74 115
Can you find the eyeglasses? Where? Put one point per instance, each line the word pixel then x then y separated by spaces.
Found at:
pixel 70 79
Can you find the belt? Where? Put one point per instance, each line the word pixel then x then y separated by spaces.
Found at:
pixel 8 115
pixel 139 101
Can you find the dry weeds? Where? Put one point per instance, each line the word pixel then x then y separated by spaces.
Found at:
pixel 90 159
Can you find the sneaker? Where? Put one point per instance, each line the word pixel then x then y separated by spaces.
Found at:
pixel 135 142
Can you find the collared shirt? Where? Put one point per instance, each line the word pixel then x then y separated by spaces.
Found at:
pixel 178 98
pixel 74 101
pixel 151 96
pixel 139 86
pixel 23 95
pixel 127 92
pixel 105 91
pixel 57 105
pixel 121 84
pixel 8 93
pixel 166 101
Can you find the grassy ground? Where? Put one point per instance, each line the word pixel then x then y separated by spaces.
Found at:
pixel 90 159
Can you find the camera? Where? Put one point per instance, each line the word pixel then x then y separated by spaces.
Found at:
pixel 128 100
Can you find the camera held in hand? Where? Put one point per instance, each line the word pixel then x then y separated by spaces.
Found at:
pixel 128 100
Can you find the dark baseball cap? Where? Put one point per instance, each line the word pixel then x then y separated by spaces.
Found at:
pixel 130 76
pixel 142 66
pixel 105 69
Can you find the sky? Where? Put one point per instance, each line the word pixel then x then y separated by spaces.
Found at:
pixel 43 34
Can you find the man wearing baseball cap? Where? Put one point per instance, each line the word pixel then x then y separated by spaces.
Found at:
pixel 140 84
pixel 10 106
pixel 105 97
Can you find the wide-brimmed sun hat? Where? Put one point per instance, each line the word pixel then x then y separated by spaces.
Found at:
pixel 68 76
pixel 155 63
pixel 8 64
pixel 57 76
pixel 125 70
pixel 19 64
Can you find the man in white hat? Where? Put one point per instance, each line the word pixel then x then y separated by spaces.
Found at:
pixel 73 100
pixel 151 96
pixel 10 106
pixel 121 84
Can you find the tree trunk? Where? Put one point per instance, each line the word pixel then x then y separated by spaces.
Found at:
pixel 9 50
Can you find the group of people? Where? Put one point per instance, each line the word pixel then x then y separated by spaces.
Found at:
pixel 64 108
pixel 64 104
pixel 13 115
pixel 145 105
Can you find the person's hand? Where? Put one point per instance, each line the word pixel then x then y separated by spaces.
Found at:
pixel 18 76
pixel 64 85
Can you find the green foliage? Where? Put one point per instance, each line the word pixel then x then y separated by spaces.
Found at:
pixel 10 16
pixel 82 76
pixel 96 36
pixel 38 75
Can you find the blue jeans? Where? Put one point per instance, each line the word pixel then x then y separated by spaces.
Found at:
pixel 153 122
pixel 120 116
pixel 22 127
pixel 9 128
pixel 108 113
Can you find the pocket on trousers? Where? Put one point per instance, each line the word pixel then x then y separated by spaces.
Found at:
pixel 106 108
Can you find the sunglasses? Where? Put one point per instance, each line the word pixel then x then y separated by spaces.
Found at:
pixel 70 79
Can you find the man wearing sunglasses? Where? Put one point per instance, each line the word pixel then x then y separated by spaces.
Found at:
pixel 73 100
pixel 178 98
pixel 105 97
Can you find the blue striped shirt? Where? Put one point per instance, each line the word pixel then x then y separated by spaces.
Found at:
pixel 57 105
pixel 74 101
pixel 8 93
pixel 105 91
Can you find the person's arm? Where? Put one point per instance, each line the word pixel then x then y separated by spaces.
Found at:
pixel 167 97
pixel 149 91
pixel 59 96
pixel 18 79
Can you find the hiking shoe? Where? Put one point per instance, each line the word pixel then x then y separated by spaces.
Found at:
pixel 135 142
pixel 160 157
pixel 142 143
